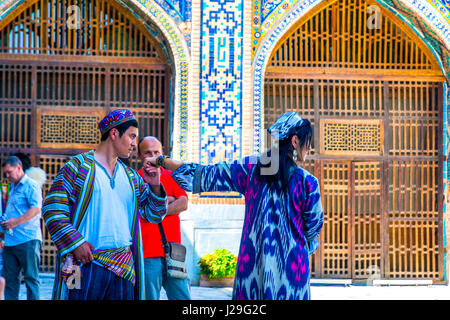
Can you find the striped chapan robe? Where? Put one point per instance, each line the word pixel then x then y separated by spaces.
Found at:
pixel 65 207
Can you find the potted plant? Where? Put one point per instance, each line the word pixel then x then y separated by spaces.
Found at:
pixel 217 269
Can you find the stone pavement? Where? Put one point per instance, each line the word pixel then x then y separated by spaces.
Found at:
pixel 360 292
pixel 197 293
pixel 318 292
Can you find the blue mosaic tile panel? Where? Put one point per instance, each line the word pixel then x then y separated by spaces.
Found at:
pixel 221 51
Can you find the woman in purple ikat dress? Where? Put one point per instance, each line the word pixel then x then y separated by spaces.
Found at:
pixel 283 211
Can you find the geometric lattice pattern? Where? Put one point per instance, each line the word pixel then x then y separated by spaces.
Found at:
pixel 351 137
pixel 58 130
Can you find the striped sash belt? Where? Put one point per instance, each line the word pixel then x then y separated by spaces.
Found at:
pixel 119 261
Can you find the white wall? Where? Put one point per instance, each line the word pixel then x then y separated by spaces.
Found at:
pixel 205 228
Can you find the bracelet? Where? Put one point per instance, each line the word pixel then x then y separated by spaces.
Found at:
pixel 160 160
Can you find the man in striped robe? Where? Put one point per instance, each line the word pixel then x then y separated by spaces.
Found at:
pixel 92 214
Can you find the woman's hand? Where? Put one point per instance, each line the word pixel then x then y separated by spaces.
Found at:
pixel 168 163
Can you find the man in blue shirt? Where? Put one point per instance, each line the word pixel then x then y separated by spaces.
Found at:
pixel 22 245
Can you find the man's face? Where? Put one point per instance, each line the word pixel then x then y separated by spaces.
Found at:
pixel 126 143
pixel 13 173
pixel 149 148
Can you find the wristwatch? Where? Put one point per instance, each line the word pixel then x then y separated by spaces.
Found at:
pixel 160 160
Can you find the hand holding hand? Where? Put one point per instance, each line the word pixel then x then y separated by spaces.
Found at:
pixel 151 172
pixel 150 161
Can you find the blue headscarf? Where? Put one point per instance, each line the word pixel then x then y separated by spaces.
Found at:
pixel 286 125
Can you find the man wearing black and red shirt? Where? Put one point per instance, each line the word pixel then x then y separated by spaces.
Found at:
pixel 155 278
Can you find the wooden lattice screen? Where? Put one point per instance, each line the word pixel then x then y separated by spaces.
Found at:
pixel 76 27
pixel 63 65
pixel 374 97
pixel 352 34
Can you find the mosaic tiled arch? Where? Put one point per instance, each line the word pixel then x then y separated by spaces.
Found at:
pixel 422 17
pixel 179 56
pixel 181 59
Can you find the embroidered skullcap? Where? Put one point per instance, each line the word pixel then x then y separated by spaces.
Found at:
pixel 114 118
pixel 286 125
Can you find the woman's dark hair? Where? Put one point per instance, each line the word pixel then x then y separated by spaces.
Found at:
pixel 121 128
pixel 285 157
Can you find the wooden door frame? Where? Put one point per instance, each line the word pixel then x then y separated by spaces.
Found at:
pixel 384 160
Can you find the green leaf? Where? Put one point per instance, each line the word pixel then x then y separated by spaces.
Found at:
pixel 219 264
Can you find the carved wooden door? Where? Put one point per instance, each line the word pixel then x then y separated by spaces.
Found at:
pixel 374 97
pixel 63 65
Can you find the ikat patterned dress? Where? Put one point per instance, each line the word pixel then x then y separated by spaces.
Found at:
pixel 280 229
